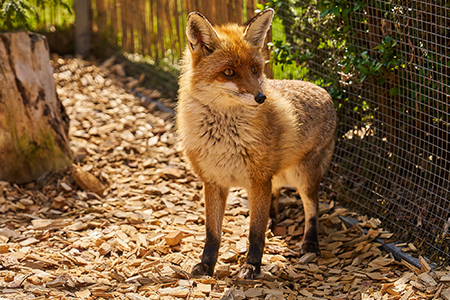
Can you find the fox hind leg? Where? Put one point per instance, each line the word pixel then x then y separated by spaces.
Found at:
pixel 273 213
pixel 215 202
pixel 310 199
pixel 308 175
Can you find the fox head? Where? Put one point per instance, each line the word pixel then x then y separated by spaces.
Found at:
pixel 225 64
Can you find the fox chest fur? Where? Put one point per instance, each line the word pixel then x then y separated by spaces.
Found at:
pixel 230 147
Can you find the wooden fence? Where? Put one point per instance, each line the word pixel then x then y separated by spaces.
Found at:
pixel 156 27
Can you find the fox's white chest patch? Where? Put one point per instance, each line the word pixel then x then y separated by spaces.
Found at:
pixel 221 141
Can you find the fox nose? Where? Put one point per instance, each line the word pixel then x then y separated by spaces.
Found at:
pixel 260 98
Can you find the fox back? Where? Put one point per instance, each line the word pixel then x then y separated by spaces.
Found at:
pixel 239 128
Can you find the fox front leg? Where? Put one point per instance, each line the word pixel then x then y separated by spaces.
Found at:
pixel 215 201
pixel 259 200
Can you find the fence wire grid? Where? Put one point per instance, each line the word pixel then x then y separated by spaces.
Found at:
pixel 392 155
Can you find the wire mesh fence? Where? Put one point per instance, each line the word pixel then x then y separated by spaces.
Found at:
pixel 390 60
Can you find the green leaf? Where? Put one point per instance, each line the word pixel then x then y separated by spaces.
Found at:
pixel 379 47
pixel 377 67
pixel 324 13
pixel 347 69
pixel 363 69
pixel 358 6
pixel 393 91
pixel 336 11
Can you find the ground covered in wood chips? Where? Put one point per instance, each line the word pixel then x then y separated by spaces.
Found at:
pixel 126 222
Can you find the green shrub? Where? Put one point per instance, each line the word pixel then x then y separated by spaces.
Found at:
pixel 34 15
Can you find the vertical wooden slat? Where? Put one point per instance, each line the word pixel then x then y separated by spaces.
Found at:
pixel 192 6
pixel 250 9
pixel 108 10
pixel 160 27
pixel 82 27
pixel 130 13
pixel 230 11
pixel 132 18
pixel 123 25
pixel 187 5
pixel 152 16
pixel 93 21
pixel 169 32
pixel 207 11
pixel 120 20
pixel 149 24
pixel 225 14
pixel 152 34
pixel 114 19
pixel 42 13
pixel 101 15
pixel 142 27
pixel 177 15
pixel 268 68
pixel 52 14
pixel 222 11
pixel 165 27
pixel 239 13
pixel 196 5
pixel 126 13
pixel 214 12
pixel 187 9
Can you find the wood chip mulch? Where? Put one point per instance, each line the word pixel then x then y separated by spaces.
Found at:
pixel 127 221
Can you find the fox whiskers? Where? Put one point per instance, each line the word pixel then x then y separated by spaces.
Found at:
pixel 230 92
pixel 218 96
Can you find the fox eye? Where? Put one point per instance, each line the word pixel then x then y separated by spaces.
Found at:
pixel 255 70
pixel 229 72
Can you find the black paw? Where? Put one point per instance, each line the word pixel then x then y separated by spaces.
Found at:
pixel 310 247
pixel 202 269
pixel 248 271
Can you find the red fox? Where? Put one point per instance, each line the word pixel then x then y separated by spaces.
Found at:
pixel 239 128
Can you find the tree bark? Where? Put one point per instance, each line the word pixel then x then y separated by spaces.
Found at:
pixel 33 122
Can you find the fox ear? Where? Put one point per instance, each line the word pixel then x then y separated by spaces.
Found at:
pixel 257 28
pixel 201 35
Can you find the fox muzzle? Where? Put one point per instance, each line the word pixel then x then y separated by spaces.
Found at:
pixel 260 98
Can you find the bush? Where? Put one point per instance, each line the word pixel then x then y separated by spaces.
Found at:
pixel 25 14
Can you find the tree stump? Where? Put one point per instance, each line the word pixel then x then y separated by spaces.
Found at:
pixel 33 122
